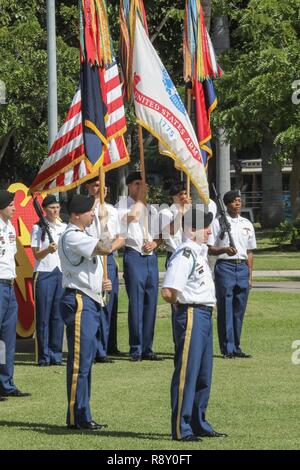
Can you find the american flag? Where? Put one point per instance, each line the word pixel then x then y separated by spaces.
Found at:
pixel 66 165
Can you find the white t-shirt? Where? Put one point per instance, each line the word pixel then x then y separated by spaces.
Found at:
pixel 51 261
pixel 8 249
pixel 243 235
pixel 189 273
pixel 79 268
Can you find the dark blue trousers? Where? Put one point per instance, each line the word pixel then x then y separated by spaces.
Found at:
pixel 112 345
pixel 191 382
pixel 48 321
pixel 8 323
pixel 141 281
pixel 81 315
pixel 232 289
pixel 173 307
pixel 110 310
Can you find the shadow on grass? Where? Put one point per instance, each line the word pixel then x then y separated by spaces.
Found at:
pixel 25 359
pixel 53 430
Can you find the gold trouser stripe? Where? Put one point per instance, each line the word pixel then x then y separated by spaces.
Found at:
pixel 35 336
pixel 76 357
pixel 184 360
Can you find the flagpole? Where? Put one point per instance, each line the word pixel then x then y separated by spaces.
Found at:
pixel 102 201
pixel 143 174
pixel 189 111
pixel 142 154
pixel 52 73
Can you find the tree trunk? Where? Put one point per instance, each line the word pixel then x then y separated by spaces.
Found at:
pixel 272 204
pixel 295 184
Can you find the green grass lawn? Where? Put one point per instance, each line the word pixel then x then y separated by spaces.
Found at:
pixel 255 401
pixel 263 261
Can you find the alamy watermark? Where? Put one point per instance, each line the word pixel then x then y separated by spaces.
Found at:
pixel 2 92
pixel 296 94
pixel 296 353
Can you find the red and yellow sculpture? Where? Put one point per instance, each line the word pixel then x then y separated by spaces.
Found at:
pixel 23 220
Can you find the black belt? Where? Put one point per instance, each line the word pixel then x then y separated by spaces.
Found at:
pixel 10 282
pixel 128 248
pixel 233 261
pixel 206 308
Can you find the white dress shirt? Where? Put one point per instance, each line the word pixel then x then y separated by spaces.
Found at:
pixel 51 261
pixel 167 216
pixel 113 223
pixel 243 235
pixel 135 232
pixel 79 268
pixel 8 249
pixel 189 273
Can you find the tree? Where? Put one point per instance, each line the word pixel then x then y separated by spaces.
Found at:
pixel 255 93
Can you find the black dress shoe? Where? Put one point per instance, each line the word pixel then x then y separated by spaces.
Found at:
pixel 90 426
pixel 228 356
pixel 104 360
pixel 44 364
pixel 212 434
pixel 243 355
pixel 16 393
pixel 136 358
pixel 114 352
pixel 56 364
pixel 191 438
pixel 3 398
pixel 151 357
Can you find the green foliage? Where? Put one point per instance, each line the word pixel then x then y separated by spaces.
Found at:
pixel 255 94
pixel 23 66
pixel 288 232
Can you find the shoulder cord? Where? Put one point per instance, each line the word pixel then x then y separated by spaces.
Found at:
pixel 63 248
pixel 194 260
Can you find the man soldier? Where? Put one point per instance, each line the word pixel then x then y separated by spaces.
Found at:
pixel 233 274
pixel 106 225
pixel 188 283
pixel 81 307
pixel 8 303
pixel 140 267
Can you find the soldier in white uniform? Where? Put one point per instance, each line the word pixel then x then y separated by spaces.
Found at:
pixel 81 307
pixel 233 274
pixel 171 223
pixel 47 282
pixel 140 267
pixel 106 225
pixel 8 302
pixel 188 283
pixel 172 234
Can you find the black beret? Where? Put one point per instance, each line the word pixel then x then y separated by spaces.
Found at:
pixel 176 188
pixel 92 180
pixel 136 175
pixel 230 196
pixel 80 204
pixel 50 199
pixel 197 219
pixel 6 198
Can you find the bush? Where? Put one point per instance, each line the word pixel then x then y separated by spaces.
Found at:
pixel 288 232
